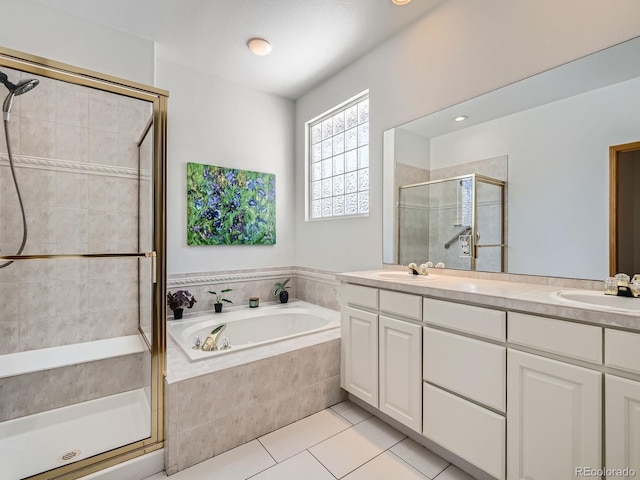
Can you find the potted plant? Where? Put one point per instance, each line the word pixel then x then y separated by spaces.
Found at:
pixel 179 301
pixel 219 299
pixel 281 291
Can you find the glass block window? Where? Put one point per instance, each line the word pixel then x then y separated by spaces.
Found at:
pixel 339 161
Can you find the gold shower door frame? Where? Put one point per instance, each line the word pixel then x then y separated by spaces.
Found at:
pixel 158 97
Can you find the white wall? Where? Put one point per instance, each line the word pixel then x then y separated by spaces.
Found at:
pixel 462 49
pixel 215 122
pixel 38 30
pixel 558 185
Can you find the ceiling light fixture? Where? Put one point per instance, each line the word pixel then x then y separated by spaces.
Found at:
pixel 400 2
pixel 460 118
pixel 259 46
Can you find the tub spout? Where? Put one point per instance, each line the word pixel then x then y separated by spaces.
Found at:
pixel 211 343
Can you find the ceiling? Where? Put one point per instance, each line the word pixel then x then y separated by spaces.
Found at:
pixel 312 39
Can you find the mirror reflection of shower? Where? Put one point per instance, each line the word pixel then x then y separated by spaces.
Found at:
pixel 15 89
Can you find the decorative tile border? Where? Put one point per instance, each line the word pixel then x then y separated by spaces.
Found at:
pixel 68 166
pixel 192 279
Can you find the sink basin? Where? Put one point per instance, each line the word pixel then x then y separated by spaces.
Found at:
pixel 600 300
pixel 401 276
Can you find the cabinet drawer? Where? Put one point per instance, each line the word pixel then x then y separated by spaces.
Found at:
pixel 622 350
pixel 465 429
pixel 583 342
pixel 483 322
pixel 360 296
pixel 466 366
pixel 403 304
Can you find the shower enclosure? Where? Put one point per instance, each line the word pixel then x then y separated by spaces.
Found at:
pixel 457 221
pixel 82 346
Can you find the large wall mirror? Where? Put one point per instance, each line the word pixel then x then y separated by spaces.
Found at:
pixel 548 137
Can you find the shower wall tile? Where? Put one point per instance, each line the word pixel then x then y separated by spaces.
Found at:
pixel 103 147
pixel 66 386
pixel 37 300
pixel 103 193
pixel 37 138
pixel 71 297
pixel 37 187
pixel 40 103
pixel 3 401
pixel 9 334
pixel 72 105
pixel 41 223
pixel 127 152
pixel 103 111
pixel 127 196
pixel 71 234
pixel 72 143
pixel 89 209
pixel 114 375
pixel 41 391
pixel 27 394
pixel 14 134
pixel 71 190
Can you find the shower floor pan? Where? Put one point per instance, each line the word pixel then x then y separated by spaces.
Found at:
pixel 47 440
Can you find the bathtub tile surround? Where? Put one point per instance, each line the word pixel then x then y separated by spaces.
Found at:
pixel 314 286
pixel 219 410
pixel 289 453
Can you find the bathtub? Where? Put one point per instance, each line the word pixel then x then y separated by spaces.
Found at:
pixel 252 327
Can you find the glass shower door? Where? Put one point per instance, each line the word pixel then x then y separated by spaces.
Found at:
pixel 80 360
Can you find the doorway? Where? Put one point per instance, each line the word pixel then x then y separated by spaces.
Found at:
pixel 624 210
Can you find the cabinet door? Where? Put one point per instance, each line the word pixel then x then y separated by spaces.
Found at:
pixel 400 371
pixel 360 354
pixel 553 418
pixel 622 447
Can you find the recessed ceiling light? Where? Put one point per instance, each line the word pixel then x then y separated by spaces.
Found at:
pixel 400 2
pixel 460 118
pixel 259 46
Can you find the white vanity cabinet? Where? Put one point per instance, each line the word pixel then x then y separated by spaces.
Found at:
pixel 554 413
pixel 622 403
pixel 400 372
pixel 464 382
pixel 554 418
pixel 359 347
pixel 622 427
pixel 381 351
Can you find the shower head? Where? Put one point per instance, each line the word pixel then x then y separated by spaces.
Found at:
pixel 15 89
pixel 23 86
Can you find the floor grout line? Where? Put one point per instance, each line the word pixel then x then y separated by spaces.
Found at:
pixel 266 450
pixel 323 465
pixel 318 443
pixel 421 473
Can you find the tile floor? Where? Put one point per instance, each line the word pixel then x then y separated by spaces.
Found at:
pixel 341 442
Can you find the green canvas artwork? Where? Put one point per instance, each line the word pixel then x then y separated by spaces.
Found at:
pixel 227 206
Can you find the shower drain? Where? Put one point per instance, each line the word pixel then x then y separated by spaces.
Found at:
pixel 68 456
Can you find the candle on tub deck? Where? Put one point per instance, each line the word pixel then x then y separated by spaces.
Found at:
pixel 254 302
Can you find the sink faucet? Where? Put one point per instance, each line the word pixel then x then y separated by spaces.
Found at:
pixel 418 270
pixel 211 343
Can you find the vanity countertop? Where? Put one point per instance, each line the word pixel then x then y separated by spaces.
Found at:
pixel 505 295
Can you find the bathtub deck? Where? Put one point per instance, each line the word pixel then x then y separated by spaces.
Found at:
pixel 33 444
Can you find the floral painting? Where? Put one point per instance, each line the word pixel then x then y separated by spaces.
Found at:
pixel 227 206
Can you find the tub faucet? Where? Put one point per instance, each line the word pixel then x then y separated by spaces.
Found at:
pixel 211 343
